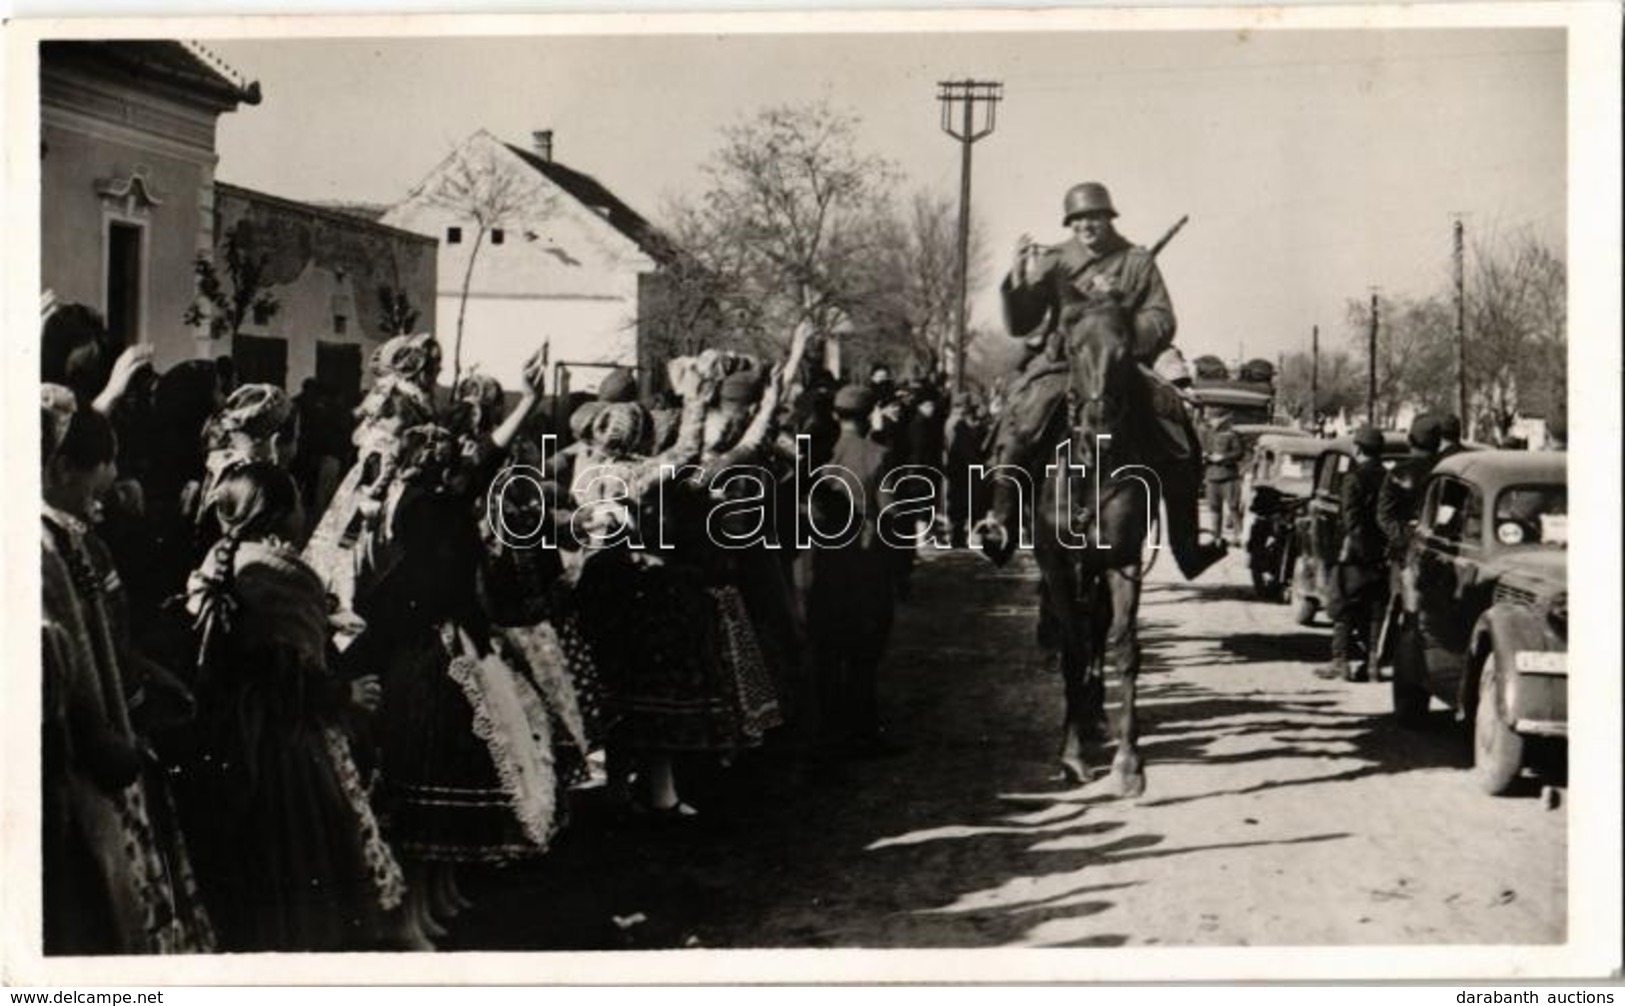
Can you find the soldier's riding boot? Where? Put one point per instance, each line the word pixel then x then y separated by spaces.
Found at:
pixel 1337 669
pixel 1180 485
pixel 1371 671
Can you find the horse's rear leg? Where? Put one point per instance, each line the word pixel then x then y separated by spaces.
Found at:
pixel 1123 657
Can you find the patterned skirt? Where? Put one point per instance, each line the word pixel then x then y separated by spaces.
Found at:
pixel 681 664
pixel 468 768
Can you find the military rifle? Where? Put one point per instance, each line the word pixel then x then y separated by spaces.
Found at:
pixel 1162 242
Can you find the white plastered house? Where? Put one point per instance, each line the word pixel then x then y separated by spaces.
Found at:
pixel 570 267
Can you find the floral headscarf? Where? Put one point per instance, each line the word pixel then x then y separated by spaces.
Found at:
pixel 257 411
pixel 414 358
pixel 619 428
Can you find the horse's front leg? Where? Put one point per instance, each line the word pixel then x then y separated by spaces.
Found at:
pixel 1059 609
pixel 1123 658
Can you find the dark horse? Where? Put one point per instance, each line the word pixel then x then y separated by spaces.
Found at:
pixel 1090 531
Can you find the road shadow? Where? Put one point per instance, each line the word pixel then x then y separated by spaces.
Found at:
pixel 1266 647
pixel 959 840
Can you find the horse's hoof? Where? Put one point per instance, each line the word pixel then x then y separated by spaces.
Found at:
pixel 1072 771
pixel 1128 779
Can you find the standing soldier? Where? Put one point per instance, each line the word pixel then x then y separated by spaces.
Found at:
pixel 1359 578
pixel 851 598
pixel 1095 264
pixel 1400 500
pixel 1223 477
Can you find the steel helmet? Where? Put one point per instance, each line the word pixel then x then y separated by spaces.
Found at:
pixel 1087 197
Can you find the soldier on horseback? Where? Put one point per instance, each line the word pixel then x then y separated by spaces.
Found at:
pixel 1097 265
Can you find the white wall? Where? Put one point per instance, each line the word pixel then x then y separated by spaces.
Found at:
pixel 500 334
pixel 562 273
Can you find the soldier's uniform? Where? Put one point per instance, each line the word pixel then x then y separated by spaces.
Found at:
pixel 1359 577
pixel 1071 276
pixel 851 597
pixel 1222 477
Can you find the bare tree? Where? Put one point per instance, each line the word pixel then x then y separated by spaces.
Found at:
pixel 1517 323
pixel 788 226
pixel 908 296
pixel 248 296
pixel 1341 385
pixel 476 186
pixel 1414 353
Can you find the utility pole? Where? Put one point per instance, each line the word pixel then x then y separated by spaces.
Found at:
pixel 1461 322
pixel 1314 378
pixel 1371 366
pixel 977 103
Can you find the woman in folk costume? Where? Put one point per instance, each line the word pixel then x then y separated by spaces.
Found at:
pixel 117 878
pixel 291 856
pixel 519 582
pixel 464 739
pixel 755 605
pixel 677 679
pixel 344 547
pixel 257 423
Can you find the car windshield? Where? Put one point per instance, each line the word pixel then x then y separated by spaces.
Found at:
pixel 1533 515
pixel 1293 466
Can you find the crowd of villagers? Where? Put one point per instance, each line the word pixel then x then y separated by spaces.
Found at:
pixel 282 712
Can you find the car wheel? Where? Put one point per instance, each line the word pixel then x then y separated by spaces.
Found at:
pixel 1411 698
pixel 1497 748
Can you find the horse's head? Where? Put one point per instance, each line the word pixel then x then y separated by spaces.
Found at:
pixel 1098 336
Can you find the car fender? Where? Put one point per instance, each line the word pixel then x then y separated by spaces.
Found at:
pixel 1503 629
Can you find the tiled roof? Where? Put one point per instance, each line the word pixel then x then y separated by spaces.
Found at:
pixel 588 191
pixel 186 64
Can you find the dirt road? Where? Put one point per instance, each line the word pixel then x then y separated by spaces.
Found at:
pixel 1281 810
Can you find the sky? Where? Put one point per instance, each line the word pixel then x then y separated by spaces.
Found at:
pixel 1314 165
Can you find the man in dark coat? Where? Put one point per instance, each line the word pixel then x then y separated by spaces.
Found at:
pixel 851 597
pixel 1096 265
pixel 1449 436
pixel 1400 497
pixel 1359 577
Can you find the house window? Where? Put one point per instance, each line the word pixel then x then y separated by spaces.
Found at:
pixel 496 235
pixel 123 293
pixel 454 235
pixel 262 313
pixel 341 324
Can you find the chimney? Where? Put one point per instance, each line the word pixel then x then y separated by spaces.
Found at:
pixel 541 141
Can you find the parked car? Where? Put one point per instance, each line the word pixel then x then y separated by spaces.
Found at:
pixel 1319 532
pixel 1485 607
pixel 1279 476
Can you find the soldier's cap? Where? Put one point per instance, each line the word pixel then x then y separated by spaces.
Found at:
pixel 854 400
pixel 1425 433
pixel 1369 439
pixel 740 387
pixel 618 386
pixel 1450 427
